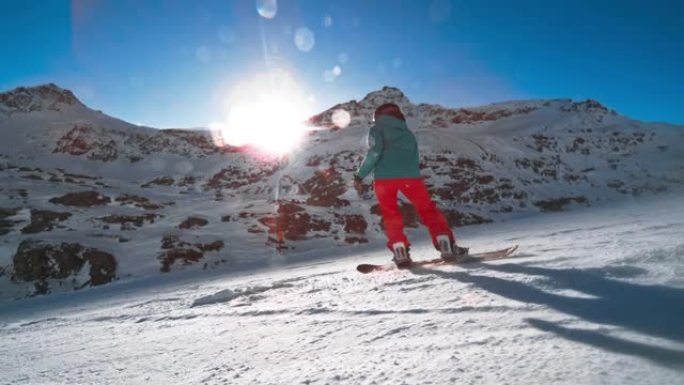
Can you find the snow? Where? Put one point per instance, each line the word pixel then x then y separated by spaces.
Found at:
pixel 596 296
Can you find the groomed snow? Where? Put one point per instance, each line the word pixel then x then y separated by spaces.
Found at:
pixel 595 297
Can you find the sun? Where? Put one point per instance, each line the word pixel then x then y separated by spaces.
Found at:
pixel 268 113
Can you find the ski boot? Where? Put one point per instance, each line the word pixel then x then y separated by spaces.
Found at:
pixel 450 251
pixel 401 255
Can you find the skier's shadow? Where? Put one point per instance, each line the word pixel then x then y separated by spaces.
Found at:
pixel 653 310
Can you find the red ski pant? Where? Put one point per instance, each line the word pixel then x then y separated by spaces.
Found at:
pixel 414 189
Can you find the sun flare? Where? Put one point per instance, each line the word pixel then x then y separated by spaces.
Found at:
pixel 268 113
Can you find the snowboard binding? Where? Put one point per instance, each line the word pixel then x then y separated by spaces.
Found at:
pixel 449 250
pixel 401 255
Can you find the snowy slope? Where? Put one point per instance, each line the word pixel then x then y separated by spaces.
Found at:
pixel 88 199
pixel 595 297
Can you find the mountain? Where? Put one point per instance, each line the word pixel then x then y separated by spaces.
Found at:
pixel 88 199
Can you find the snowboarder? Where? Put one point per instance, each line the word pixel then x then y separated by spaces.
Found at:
pixel 393 158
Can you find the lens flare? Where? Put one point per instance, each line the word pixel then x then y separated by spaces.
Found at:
pixel 304 39
pixel 268 113
pixel 267 8
pixel 341 118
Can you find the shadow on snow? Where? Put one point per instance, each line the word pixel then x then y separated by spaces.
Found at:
pixel 648 309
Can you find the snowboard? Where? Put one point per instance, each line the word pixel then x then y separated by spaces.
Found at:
pixel 366 268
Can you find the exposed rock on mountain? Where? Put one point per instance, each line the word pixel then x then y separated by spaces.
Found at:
pixel 41 98
pixel 39 262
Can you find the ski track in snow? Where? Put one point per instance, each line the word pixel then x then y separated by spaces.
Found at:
pixel 597 297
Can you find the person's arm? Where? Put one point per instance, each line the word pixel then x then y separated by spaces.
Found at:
pixel 374 153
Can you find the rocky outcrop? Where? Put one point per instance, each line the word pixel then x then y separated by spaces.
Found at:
pixel 44 220
pixel 82 199
pixel 6 224
pixel 355 227
pixel 160 181
pixel 126 222
pixel 84 139
pixel 293 223
pixel 362 109
pixel 40 263
pixel 235 177
pixel 559 204
pixel 324 189
pixel 176 250
pixel 181 142
pixel 40 98
pixel 137 201
pixel 193 223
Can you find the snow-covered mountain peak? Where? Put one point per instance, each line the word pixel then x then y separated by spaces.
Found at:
pixel 38 98
pixel 386 95
pixel 362 111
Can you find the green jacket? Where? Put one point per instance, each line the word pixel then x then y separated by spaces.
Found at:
pixel 393 152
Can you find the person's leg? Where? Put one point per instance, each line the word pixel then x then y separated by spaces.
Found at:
pixel 386 191
pixel 416 192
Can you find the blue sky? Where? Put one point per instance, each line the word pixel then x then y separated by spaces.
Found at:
pixel 171 63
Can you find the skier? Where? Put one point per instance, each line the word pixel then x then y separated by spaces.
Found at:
pixel 393 158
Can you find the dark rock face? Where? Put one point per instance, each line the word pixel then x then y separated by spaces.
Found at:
pixel 72 144
pixel 466 116
pixel 166 140
pixel 324 189
pixel 293 223
pixel 40 262
pixel 5 224
pixel 193 223
pixel 587 105
pixel 355 224
pixel 175 249
pixel 84 139
pixel 457 219
pixel 235 177
pixel 559 203
pixel 44 220
pixel 82 199
pixel 45 97
pixel 102 266
pixel 355 227
pixel 161 181
pixel 127 222
pixel 137 201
